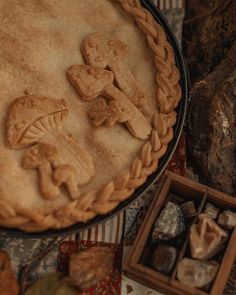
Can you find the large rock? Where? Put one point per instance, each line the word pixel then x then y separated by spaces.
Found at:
pixel 196 273
pixel 209 31
pixel 211 128
pixel 206 238
pixel 169 224
pixel 164 258
pixel 227 219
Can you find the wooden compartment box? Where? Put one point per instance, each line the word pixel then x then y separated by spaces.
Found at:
pixel 180 189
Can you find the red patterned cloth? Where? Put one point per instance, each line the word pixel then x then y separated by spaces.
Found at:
pixel 109 286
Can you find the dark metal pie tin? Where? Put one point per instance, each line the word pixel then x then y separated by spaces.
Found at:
pixel 181 113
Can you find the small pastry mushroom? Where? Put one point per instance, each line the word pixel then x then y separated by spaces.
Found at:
pixel 41 156
pixel 92 82
pixel 31 119
pixel 103 52
pixel 99 50
pixel 206 237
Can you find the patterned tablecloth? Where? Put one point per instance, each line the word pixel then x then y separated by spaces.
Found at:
pixel 50 255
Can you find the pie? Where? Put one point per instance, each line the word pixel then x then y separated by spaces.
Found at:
pixel 87 103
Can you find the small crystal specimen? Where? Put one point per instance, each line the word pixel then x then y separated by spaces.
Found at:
pixel 211 211
pixel 196 273
pixel 88 267
pixel 170 223
pixel 227 219
pixel 189 209
pixel 206 237
pixel 164 258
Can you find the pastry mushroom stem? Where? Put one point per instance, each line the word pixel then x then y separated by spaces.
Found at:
pixel 40 156
pixel 102 52
pixel 31 119
pixel 92 82
pixel 64 174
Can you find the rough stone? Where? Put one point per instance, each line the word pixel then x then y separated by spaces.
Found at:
pixel 164 258
pixel 196 273
pixel 227 219
pixel 189 209
pixel 170 223
pixel 206 238
pixel 211 211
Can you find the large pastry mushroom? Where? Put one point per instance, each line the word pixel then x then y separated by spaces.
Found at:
pixel 103 52
pixel 92 82
pixel 31 119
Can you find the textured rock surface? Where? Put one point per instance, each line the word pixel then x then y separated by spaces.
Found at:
pixel 170 223
pixel 206 238
pixel 211 211
pixel 208 33
pixel 196 273
pixel 227 219
pixel 211 127
pixel 164 258
pixel 189 209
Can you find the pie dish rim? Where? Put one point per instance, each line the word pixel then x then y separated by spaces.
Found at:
pixel 181 112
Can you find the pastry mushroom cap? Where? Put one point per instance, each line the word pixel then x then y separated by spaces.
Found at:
pixel 89 81
pixel 30 117
pixel 99 50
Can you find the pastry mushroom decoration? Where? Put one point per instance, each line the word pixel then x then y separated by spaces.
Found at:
pixel 36 123
pixel 206 237
pixel 102 52
pixel 91 82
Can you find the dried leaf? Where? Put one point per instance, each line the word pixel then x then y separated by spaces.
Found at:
pixel 90 266
pixel 50 285
pixel 8 283
pixel 105 113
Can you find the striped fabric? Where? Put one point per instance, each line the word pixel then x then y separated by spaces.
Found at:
pixel 169 4
pixel 107 232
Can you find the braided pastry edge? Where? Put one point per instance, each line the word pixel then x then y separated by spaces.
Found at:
pixel 119 189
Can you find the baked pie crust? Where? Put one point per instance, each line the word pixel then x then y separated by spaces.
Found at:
pixel 64 161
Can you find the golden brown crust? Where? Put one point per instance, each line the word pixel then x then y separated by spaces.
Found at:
pixel 122 186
